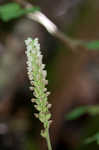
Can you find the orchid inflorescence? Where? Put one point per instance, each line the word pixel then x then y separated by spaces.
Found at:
pixel 37 76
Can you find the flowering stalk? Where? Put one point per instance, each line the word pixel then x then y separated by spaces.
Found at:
pixel 37 76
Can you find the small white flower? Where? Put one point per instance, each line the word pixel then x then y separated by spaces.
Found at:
pixel 28 41
pixel 44 73
pixel 29 47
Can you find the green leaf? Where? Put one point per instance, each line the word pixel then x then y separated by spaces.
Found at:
pixel 94 45
pixel 92 139
pixel 13 10
pixel 76 113
pixel 92 110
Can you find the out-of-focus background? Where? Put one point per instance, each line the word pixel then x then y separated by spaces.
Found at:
pixel 73 78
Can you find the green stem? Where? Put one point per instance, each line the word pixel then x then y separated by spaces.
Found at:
pixel 48 140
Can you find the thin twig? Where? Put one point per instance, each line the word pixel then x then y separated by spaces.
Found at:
pixel 42 19
pixel 51 28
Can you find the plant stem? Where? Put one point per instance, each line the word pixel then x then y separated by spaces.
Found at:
pixel 48 140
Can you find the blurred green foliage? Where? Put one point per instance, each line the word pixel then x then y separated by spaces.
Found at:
pixel 92 139
pixel 76 113
pixel 93 45
pixel 91 110
pixel 13 10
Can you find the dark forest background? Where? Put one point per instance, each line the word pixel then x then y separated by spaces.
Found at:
pixel 73 78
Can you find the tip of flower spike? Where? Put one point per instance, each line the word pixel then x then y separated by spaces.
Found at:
pixel 27 42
